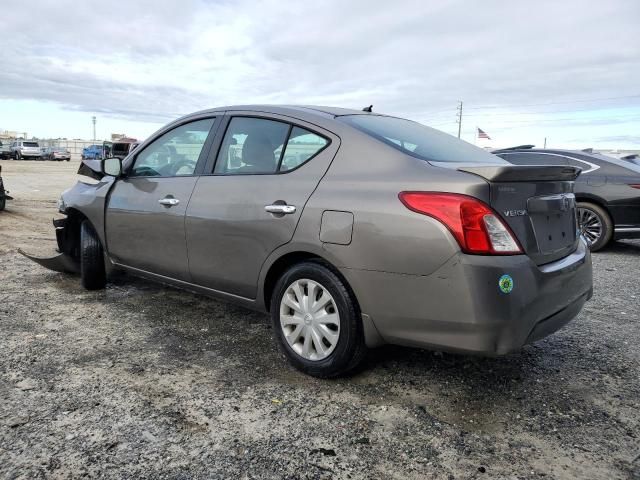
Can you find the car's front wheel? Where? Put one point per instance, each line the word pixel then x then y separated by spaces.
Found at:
pixel 92 272
pixel 316 320
pixel 595 225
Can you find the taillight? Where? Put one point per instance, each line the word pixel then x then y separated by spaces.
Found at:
pixel 635 185
pixel 475 226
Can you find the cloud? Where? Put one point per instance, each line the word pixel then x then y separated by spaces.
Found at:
pixel 624 139
pixel 154 60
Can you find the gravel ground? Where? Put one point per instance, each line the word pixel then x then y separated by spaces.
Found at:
pixel 145 381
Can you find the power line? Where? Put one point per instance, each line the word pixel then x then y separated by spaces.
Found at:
pixel 634 116
pixel 502 114
pixel 480 107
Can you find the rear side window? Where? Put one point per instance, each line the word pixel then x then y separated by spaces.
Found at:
pixel 251 146
pixel 301 146
pixel 261 146
pixel 418 140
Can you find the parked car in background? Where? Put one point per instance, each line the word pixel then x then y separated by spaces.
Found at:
pixel 92 152
pixel 25 149
pixel 4 194
pixel 122 149
pixel 56 153
pixel 607 190
pixel 5 151
pixel 376 229
pixel 634 158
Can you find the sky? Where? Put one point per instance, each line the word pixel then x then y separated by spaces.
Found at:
pixel 566 71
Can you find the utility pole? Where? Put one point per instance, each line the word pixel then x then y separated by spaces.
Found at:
pixel 93 119
pixel 545 142
pixel 459 109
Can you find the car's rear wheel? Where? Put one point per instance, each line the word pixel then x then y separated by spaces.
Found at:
pixel 317 321
pixel 595 225
pixel 92 271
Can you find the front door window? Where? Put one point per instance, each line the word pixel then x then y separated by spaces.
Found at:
pixel 175 153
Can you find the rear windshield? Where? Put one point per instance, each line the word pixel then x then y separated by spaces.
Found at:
pixel 30 144
pixel 419 141
pixel 621 163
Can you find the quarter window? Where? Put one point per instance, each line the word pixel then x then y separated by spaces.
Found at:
pixel 175 153
pixel 301 146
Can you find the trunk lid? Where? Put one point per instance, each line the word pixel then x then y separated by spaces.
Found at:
pixel 538 204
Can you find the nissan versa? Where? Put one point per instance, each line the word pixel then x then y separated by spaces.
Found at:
pixel 351 228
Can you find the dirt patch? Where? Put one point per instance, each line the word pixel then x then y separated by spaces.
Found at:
pixel 145 381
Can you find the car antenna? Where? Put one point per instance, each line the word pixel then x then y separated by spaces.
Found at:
pixel 368 109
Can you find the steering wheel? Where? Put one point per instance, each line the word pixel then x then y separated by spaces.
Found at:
pixel 175 168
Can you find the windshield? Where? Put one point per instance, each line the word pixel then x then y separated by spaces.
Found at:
pixel 30 144
pixel 419 141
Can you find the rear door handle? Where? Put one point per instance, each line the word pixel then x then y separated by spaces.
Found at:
pixel 169 202
pixel 281 209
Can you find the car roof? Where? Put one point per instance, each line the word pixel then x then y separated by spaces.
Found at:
pixel 300 111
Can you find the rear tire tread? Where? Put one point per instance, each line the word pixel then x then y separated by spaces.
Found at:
pixel 351 350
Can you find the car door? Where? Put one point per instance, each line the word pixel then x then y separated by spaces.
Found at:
pixel 249 202
pixel 146 208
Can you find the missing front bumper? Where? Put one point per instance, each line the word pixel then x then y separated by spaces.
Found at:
pixel 62 261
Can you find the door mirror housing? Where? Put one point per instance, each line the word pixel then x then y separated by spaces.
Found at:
pixel 112 166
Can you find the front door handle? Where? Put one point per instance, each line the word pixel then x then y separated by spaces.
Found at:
pixel 169 202
pixel 280 209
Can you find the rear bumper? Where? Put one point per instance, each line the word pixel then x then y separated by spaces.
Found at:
pixel 460 307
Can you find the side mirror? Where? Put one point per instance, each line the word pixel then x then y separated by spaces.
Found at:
pixel 112 166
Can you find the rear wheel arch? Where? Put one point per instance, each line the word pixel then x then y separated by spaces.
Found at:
pixel 288 260
pixel 596 201
pixel 599 210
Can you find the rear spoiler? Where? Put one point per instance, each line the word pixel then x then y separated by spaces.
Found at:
pixel 524 173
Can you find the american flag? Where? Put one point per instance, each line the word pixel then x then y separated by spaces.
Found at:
pixel 483 134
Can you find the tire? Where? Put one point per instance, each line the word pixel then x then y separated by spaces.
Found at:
pixel 342 355
pixel 598 228
pixel 92 271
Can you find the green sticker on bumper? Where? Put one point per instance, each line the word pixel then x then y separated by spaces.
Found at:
pixel 505 283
